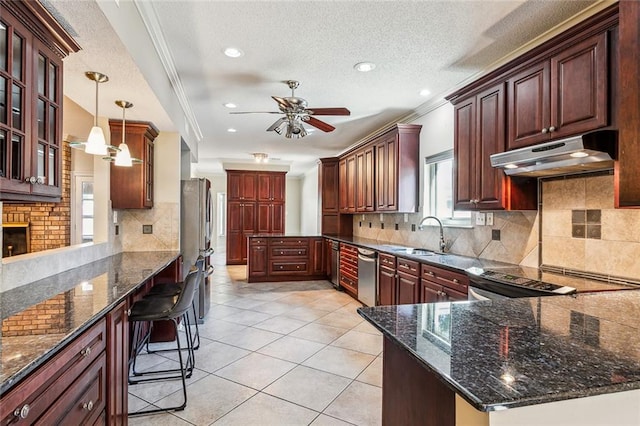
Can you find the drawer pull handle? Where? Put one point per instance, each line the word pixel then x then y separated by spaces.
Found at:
pixel 86 352
pixel 281 252
pixel 88 406
pixel 299 252
pixel 22 412
pixel 430 273
pixel 456 281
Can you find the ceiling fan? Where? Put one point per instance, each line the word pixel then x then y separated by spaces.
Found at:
pixel 295 113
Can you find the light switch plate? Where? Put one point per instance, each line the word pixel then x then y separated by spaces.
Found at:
pixel 480 218
pixel 489 219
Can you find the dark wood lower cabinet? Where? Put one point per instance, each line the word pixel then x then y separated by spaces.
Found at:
pixel 408 289
pixel 411 394
pixel 117 364
pixel 276 258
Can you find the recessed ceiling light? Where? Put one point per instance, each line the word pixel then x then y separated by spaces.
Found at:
pixel 231 130
pixel 364 66
pixel 425 92
pixel 233 52
pixel 230 105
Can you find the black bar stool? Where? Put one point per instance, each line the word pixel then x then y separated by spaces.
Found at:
pixel 160 308
pixel 174 289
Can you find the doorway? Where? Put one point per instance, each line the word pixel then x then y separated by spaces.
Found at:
pixel 82 208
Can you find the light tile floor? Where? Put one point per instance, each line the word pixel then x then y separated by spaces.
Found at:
pixel 293 353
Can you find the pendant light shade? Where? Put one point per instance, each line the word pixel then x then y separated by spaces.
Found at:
pixel 123 157
pixel 96 143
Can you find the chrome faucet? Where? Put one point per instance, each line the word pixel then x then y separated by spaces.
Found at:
pixel 443 245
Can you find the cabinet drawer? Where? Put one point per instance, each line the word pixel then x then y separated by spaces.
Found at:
pixel 43 387
pixel 408 267
pixel 453 280
pixel 281 268
pixel 347 249
pixel 348 282
pixel 257 241
pixel 387 260
pixel 84 400
pixel 289 252
pixel 291 242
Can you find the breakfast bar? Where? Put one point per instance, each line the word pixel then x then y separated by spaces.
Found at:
pixel 65 339
pixel 564 360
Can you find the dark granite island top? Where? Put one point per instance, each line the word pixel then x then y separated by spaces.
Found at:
pixel 521 352
pixel 75 299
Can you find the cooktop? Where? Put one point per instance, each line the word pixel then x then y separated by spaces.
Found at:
pixel 531 279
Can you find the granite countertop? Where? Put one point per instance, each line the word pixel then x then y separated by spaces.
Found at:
pixel 518 352
pixel 459 263
pixel 87 294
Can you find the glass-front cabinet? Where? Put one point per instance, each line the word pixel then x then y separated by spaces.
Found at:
pixel 31 102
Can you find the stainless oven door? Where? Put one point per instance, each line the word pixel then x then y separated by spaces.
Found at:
pixel 476 293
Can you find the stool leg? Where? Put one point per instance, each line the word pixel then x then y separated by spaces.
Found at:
pixel 182 376
pixel 196 343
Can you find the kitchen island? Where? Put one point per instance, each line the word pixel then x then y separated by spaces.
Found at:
pixel 65 338
pixel 563 360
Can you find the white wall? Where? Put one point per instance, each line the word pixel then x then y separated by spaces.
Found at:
pixel 292 205
pixel 309 203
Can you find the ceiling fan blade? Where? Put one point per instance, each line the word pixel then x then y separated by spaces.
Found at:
pixel 276 124
pixel 328 111
pixel 256 112
pixel 325 127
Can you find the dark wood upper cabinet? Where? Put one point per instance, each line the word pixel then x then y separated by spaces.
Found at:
pixel 31 150
pixel 242 186
pixel 332 221
pixel 348 184
pixel 364 180
pixel 561 96
pixel 132 187
pixel 480 132
pixel 271 186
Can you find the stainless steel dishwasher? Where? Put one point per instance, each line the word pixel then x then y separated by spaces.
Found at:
pixel 367 276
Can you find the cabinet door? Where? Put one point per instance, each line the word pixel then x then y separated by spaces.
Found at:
pixel 277 218
pixel 263 225
pixel 382 176
pixel 342 186
pixel 330 186
pixel 529 106
pixel 452 295
pixel 278 187
pixel 579 87
pixel 234 186
pixel 464 154
pixel 317 263
pixel 234 216
pixel 235 246
pixel 364 179
pixel 430 292
pixel 386 286
pixel 258 260
pixel 148 173
pixel 490 140
pixel 264 187
pixel 248 188
pixel 408 286
pixel 351 184
pixel 117 365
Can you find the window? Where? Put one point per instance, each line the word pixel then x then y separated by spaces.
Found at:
pixel 438 190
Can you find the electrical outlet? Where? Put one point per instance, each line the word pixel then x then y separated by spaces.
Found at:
pixel 406 217
pixel 369 224
pixel 397 227
pixel 480 218
pixel 147 229
pixel 495 234
pixel 362 217
pixel 115 216
pixel 360 224
pixel 489 219
pixel 381 217
pixel 413 227
pixel 382 225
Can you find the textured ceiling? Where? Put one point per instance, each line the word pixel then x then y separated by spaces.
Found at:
pixel 434 45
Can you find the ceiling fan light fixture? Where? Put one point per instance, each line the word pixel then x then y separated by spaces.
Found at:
pixel 233 52
pixel 281 127
pixel 364 66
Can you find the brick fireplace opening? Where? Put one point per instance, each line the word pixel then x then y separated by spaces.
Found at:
pixel 15 238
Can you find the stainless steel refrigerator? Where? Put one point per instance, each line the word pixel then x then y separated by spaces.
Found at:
pixel 196 229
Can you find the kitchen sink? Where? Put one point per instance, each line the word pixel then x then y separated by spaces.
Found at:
pixel 412 251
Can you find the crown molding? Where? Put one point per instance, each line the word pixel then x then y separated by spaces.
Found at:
pixel 154 29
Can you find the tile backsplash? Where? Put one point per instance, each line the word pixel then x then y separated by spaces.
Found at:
pixel 582 230
pixel 518 241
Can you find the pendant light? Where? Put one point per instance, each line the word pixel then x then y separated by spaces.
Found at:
pixel 123 157
pixel 96 144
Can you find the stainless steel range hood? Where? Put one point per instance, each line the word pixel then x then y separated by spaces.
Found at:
pixel 589 152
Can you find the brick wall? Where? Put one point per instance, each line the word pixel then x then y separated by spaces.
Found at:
pixel 45 318
pixel 50 223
